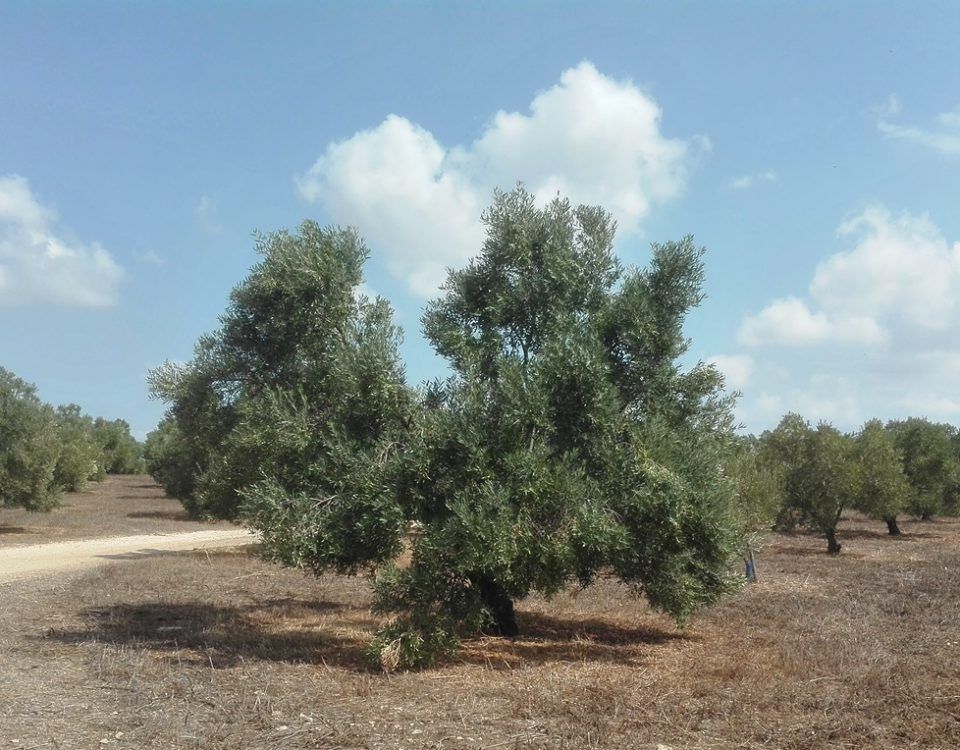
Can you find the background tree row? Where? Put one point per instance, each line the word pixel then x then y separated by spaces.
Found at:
pixel 45 451
pixel 813 474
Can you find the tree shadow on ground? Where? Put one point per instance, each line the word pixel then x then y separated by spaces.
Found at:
pixel 11 530
pixel 163 515
pixel 546 638
pixel 285 629
pixel 201 633
pixel 905 535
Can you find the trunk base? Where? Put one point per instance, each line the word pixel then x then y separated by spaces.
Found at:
pixel 892 526
pixel 500 606
pixel 833 546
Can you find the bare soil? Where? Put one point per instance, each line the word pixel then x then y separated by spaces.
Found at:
pixel 222 650
pixel 117 506
pixel 34 560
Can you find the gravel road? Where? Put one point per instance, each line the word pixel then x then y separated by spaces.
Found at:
pixel 35 560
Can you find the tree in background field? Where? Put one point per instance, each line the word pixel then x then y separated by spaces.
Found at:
pixel 29 446
pixel 44 451
pixel 120 452
pixel 760 499
pixel 782 449
pixel 168 458
pixel 81 456
pixel 930 463
pixel 882 487
pixel 819 476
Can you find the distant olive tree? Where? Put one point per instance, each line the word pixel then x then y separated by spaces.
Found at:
pixel 882 487
pixel 759 499
pixel 120 452
pixel 819 475
pixel 169 459
pixel 80 458
pixel 29 446
pixel 930 463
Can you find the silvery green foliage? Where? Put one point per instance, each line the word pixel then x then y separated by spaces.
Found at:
pixel 81 457
pixel 882 487
pixel 819 474
pixel 120 452
pixel 291 414
pixel 29 446
pixel 931 463
pixel 568 441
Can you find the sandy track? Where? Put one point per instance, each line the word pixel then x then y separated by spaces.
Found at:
pixel 42 559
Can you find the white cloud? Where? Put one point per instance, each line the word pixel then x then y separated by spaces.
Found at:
pixel 889 108
pixel 749 180
pixel 901 269
pixel 737 369
pixel 206 214
pixel 394 184
pixel 901 276
pixel 38 265
pixel 790 322
pixel 151 258
pixel 944 136
pixel 591 138
pixel 888 307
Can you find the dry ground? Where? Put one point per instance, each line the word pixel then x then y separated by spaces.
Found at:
pixel 117 506
pixel 224 651
pixel 39 560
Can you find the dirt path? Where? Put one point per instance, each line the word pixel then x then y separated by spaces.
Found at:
pixel 42 559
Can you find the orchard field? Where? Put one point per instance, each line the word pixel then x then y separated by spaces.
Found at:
pixel 223 650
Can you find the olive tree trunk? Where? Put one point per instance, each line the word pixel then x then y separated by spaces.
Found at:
pixel 500 606
pixel 833 546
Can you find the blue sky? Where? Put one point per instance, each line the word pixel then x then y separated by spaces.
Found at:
pixel 813 148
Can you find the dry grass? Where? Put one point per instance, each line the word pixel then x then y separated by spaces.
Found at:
pixel 117 506
pixel 224 651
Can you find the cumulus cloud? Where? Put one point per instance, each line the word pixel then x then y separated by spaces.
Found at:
pixel 749 180
pixel 737 369
pixel 790 322
pixel 589 137
pixel 942 136
pixel 901 269
pixel 887 306
pixel 206 214
pixel 901 276
pixel 39 265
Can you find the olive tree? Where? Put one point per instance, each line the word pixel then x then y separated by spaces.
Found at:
pixel 759 495
pixel 818 473
pixel 29 447
pixel 80 456
pixel 882 487
pixel 291 402
pixel 567 442
pixel 120 451
pixel 930 464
